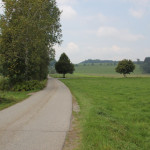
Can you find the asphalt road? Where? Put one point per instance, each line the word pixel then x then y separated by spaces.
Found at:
pixel 40 122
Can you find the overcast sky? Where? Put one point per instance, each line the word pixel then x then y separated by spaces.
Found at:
pixel 105 29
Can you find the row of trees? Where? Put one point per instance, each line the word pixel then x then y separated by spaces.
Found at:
pixel 28 31
pixel 64 66
pixel 124 67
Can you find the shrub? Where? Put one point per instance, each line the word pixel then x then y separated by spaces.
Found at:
pixel 4 84
pixel 23 86
pixel 29 85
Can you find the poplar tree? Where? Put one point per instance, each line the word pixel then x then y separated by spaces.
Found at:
pixel 28 31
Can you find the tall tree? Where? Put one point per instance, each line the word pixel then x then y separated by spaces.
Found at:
pixel 64 65
pixel 29 30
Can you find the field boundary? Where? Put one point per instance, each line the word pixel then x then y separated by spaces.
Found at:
pixel 74 135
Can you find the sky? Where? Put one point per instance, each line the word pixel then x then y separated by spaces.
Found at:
pixel 104 29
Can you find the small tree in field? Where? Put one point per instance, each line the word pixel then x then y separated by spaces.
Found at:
pixel 125 67
pixel 64 66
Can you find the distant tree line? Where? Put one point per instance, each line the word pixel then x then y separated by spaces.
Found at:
pixel 123 67
pixel 92 61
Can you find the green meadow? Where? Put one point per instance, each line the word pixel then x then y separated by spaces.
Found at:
pixel 101 69
pixel 115 112
pixel 97 70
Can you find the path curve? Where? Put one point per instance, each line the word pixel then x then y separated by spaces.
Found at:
pixel 41 122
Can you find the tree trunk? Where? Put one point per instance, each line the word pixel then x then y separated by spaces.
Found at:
pixel 63 75
pixel 124 75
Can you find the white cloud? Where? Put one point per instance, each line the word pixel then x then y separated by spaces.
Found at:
pixel 62 2
pixel 107 31
pixel 68 12
pixel 66 6
pixel 102 18
pixel 119 50
pixel 111 32
pixel 116 48
pixel 136 13
pixel 113 52
pixel 140 7
pixel 71 49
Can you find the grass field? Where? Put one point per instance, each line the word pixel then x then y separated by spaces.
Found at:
pixel 96 70
pixel 101 69
pixel 115 112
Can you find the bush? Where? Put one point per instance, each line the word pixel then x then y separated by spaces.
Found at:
pixel 4 84
pixel 24 86
pixel 29 85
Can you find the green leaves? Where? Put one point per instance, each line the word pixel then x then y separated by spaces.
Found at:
pixel 29 30
pixel 125 67
pixel 64 66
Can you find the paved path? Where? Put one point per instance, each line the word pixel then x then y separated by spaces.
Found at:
pixel 38 123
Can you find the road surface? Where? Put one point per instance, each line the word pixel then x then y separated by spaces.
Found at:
pixel 41 122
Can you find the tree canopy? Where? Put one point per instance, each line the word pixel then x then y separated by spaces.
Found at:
pixel 29 30
pixel 125 67
pixel 64 65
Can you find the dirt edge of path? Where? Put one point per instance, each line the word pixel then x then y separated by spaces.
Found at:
pixel 73 137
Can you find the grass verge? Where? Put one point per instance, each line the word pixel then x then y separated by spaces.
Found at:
pixel 73 136
pixel 114 112
pixel 10 98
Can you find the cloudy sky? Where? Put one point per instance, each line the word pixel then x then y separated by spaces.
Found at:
pixel 105 29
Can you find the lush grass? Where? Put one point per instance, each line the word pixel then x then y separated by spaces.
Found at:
pixel 115 112
pixel 101 69
pixel 10 98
